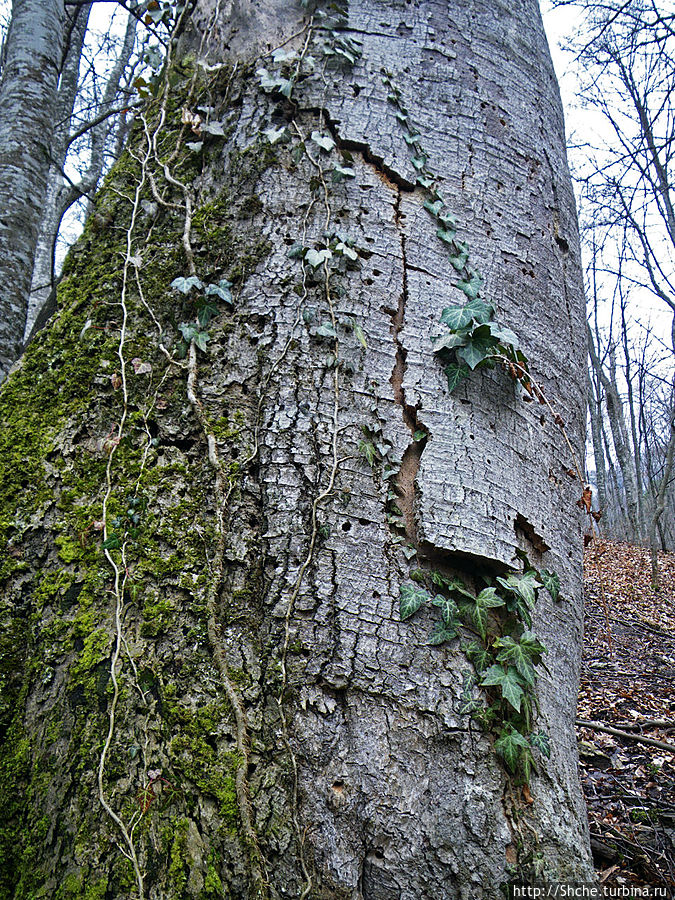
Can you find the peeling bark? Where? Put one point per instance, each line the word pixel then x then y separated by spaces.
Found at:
pixel 338 735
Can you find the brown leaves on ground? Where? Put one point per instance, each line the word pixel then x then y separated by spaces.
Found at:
pixel 628 671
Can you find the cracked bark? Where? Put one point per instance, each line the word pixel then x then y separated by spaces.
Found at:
pixel 397 796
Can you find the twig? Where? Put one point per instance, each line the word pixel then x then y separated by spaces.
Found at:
pixel 652 742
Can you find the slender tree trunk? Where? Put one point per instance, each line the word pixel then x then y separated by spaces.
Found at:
pixel 212 691
pixel 27 98
pixel 620 439
pixel 595 410
pixel 61 194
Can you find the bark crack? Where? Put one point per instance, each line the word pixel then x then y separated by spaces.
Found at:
pixel 406 480
pixel 389 175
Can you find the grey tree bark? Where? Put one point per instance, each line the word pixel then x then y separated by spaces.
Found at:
pixel 210 691
pixel 27 93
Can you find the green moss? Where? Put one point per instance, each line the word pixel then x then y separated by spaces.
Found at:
pixel 194 755
pixel 57 417
pixel 157 617
pixel 79 887
pixel 96 648
pixel 213 886
pixel 179 866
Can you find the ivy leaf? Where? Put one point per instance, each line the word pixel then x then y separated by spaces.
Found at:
pixel 342 172
pixel 325 141
pixel 420 435
pixel 460 258
pixel 284 56
pixel 214 128
pixel 274 135
pixel 519 654
pixel 267 82
pixel 433 208
pixel 441 634
pixel 221 290
pixel 446 234
pixel 368 451
pixel 477 350
pixel 111 543
pixel 510 745
pixel 481 312
pixel 504 335
pixel 449 341
pixel 326 330
pixel 194 146
pixel 347 251
pixel 412 597
pixel 360 336
pixel 316 257
pixel 455 374
pixel 539 741
pixel 297 251
pixel 200 338
pixel 458 587
pixel 551 583
pixel 185 285
pixel 457 318
pixel 471 287
pixel 508 681
pixel 207 312
pixel 425 181
pixel 525 585
pixel 419 162
pixel 412 139
pixel 479 655
pixel 448 608
pixel 489 598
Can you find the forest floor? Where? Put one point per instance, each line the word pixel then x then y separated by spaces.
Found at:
pixel 627 679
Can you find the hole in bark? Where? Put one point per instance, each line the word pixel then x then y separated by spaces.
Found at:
pixel 357 89
pixel 368 280
pixel 562 243
pixel 376 595
pixel 235 452
pixel 338 787
pixel 364 521
pixel 376 272
pixel 346 526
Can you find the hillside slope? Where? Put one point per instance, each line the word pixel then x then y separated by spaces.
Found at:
pixel 627 679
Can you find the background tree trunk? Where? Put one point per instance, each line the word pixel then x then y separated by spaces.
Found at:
pixel 27 93
pixel 209 691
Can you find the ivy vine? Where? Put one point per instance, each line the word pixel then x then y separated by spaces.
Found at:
pixel 494 628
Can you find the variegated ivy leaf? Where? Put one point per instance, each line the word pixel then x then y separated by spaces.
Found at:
pixel 325 141
pixel 412 597
pixel 316 257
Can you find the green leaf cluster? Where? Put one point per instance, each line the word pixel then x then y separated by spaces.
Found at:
pixel 204 297
pixel 493 625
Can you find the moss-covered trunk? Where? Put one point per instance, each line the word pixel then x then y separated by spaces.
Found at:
pixel 233 447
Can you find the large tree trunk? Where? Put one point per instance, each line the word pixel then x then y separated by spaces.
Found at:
pixel 27 94
pixel 209 689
